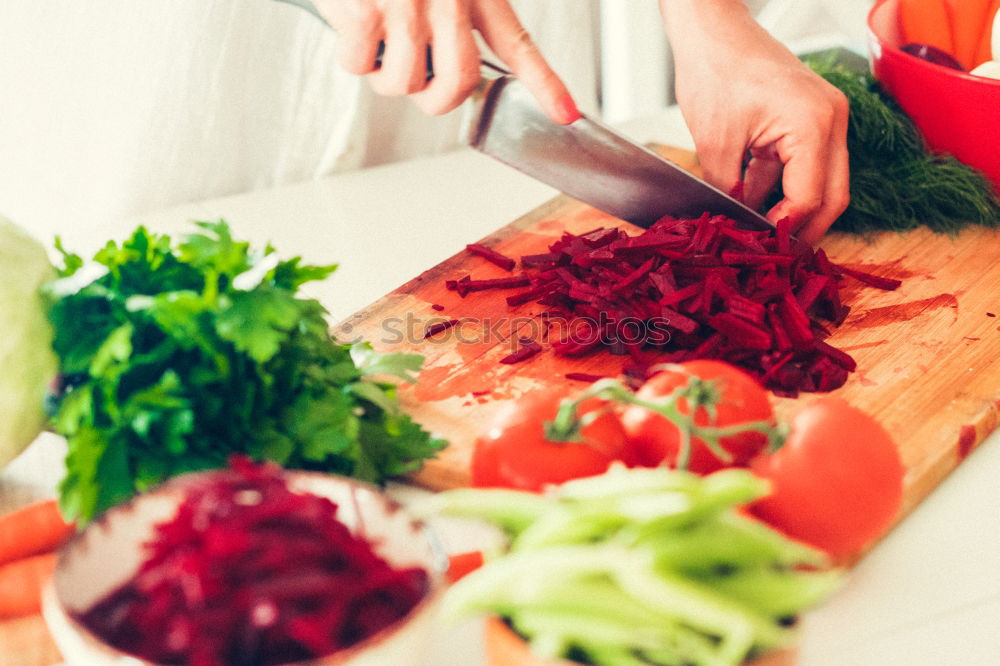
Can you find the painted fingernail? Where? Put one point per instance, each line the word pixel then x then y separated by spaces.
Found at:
pixel 566 110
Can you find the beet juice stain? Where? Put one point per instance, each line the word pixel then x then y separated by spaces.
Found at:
pixel 900 312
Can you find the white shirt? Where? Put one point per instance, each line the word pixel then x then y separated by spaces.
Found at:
pixel 117 107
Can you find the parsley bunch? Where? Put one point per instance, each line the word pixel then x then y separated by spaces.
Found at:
pixel 182 354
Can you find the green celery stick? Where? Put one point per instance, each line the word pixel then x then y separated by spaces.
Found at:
pixel 524 578
pixel 565 525
pixel 739 627
pixel 510 510
pixel 729 541
pixel 778 593
pixel 620 481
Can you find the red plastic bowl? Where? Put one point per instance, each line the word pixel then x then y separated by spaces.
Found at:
pixel 958 113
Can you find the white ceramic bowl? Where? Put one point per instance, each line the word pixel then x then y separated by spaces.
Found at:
pixel 109 551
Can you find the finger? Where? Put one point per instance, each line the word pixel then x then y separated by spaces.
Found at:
pixel 721 160
pixel 759 178
pixel 503 32
pixel 359 30
pixel 404 62
pixel 456 65
pixel 803 184
pixel 836 195
pixel 835 200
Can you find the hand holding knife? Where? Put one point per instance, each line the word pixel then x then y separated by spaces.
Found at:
pixel 384 42
pixel 582 158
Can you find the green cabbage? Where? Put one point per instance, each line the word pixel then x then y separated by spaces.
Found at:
pixel 27 362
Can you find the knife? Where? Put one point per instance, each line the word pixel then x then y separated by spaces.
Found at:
pixel 591 162
pixel 586 159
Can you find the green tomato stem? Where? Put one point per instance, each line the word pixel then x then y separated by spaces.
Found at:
pixel 699 393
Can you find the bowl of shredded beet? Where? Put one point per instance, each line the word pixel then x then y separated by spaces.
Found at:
pixel 251 564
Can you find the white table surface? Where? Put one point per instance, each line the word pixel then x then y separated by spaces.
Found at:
pixel 929 594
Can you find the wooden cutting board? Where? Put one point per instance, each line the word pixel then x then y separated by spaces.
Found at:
pixel 926 352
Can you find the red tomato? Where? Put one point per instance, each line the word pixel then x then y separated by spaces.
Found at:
pixel 514 452
pixel 837 481
pixel 654 440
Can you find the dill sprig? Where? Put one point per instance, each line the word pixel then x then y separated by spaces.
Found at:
pixel 897 183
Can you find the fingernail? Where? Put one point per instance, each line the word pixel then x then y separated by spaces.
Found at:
pixel 566 110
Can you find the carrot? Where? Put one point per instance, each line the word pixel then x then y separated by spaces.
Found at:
pixel 927 22
pixel 984 49
pixel 33 529
pixel 461 564
pixel 21 584
pixel 969 19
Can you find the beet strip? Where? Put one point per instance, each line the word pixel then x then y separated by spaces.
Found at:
pixel 458 285
pixel 467 285
pixel 437 327
pixel 530 295
pixel 681 322
pixel 492 256
pixel 740 331
pixel 877 281
pixel 756 258
pixel 583 377
pixel 811 290
pixel 527 349
pixel 684 293
pixel 752 311
pixel 838 356
pixel 600 236
pixel 539 260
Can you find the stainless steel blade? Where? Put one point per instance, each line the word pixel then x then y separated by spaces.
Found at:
pixel 591 162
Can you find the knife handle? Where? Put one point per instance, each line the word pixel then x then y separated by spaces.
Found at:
pixel 311 8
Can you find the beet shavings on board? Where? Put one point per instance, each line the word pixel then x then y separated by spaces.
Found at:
pixel 250 571
pixel 694 288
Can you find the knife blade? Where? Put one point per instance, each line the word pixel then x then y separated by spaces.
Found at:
pixel 591 162
pixel 586 159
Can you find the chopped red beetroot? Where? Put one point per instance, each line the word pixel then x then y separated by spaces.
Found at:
pixel 491 255
pixel 467 284
pixel 459 285
pixel 437 327
pixel 702 288
pixel 583 377
pixel 438 307
pixel 545 260
pixel 876 281
pixel 251 572
pixel 527 349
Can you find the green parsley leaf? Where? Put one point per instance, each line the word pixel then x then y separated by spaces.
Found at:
pixel 182 354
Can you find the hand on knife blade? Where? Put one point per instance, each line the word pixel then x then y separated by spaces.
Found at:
pixel 585 159
pixel 591 162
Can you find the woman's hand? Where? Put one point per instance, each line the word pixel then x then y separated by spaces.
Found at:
pixel 409 27
pixel 743 93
